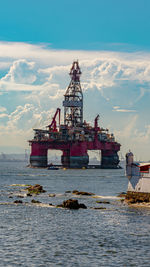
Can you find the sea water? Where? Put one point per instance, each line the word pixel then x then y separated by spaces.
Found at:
pixel 42 235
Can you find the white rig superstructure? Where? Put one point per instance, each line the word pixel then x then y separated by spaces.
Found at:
pixel 138 175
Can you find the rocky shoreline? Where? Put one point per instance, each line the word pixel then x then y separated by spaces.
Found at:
pixel 135 199
pixel 31 192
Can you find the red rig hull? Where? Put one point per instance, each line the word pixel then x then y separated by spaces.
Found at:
pixel 75 153
pixel 75 137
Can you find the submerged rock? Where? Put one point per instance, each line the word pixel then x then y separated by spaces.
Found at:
pixel 102 202
pixel 18 202
pixel 35 201
pixel 99 208
pixel 21 196
pixel 35 189
pixel 76 192
pixel 72 204
pixel 29 195
pixel 51 195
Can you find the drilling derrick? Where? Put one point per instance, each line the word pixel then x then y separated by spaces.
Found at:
pixel 76 156
pixel 73 103
pixel 75 137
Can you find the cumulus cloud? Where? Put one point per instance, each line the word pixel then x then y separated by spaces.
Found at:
pixel 18 128
pixel 21 71
pixel 100 69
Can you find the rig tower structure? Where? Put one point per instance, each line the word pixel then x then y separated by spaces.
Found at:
pixel 73 103
pixel 75 137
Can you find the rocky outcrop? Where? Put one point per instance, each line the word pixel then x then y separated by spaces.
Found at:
pixel 137 197
pixel 35 189
pixel 72 204
pixel 76 192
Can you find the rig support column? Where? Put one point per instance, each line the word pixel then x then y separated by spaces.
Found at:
pixel 65 158
pixel 109 159
pixel 38 157
pixel 76 157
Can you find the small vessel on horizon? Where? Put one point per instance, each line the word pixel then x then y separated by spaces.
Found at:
pixel 52 167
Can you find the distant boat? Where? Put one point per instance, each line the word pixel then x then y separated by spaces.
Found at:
pixel 52 168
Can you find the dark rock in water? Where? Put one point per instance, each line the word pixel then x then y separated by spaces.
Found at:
pixel 76 192
pixel 20 196
pixel 102 202
pixel 122 194
pixel 82 206
pixel 67 192
pixel 29 195
pixel 18 202
pixel 72 204
pixel 51 195
pixel 137 197
pixel 99 208
pixel 10 197
pixel 35 189
pixel 35 201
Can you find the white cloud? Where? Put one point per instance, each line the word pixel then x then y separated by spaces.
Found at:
pixel 2 109
pixel 3 115
pixel 35 65
pixel 19 126
pixel 118 109
pixel 21 71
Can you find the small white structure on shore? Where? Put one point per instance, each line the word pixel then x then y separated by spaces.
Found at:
pixel 138 175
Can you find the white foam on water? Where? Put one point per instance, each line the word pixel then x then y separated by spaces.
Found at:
pixel 19 185
pixel 105 197
pixel 45 205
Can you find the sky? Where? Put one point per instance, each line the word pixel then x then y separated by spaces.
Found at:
pixel 39 41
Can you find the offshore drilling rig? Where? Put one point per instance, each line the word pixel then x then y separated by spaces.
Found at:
pixel 75 137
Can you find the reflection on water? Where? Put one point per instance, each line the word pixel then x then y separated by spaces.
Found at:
pixel 38 235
